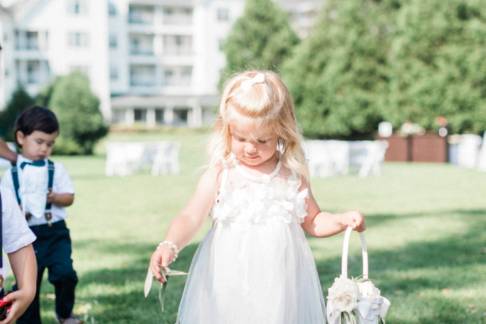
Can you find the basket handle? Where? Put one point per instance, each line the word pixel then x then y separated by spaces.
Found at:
pixel 364 251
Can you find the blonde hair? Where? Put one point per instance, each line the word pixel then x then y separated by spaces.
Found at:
pixel 261 97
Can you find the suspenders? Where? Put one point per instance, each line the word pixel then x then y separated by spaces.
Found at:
pixel 50 183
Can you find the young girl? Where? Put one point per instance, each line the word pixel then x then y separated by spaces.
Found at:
pixel 255 265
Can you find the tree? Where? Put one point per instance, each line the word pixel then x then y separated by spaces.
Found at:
pixel 19 101
pixel 80 119
pixel 260 39
pixel 437 65
pixel 338 75
pixel 44 96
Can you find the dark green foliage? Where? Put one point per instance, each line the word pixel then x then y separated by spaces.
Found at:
pixel 77 108
pixel 437 65
pixel 44 96
pixel 19 101
pixel 338 75
pixel 371 60
pixel 260 39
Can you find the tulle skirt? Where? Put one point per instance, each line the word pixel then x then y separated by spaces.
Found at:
pixel 253 274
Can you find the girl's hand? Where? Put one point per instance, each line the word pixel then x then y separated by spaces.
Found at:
pixel 162 257
pixel 20 299
pixel 354 219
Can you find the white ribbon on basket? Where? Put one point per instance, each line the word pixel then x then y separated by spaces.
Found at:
pixel 355 301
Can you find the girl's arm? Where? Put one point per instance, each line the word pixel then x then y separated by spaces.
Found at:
pixel 24 268
pixel 185 225
pixel 322 224
pixel 6 152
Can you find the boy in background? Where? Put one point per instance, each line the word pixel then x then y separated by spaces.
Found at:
pixel 43 189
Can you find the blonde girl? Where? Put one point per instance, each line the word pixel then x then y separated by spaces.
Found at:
pixel 254 265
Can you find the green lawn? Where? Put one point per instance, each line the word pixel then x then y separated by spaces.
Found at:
pixel 426 236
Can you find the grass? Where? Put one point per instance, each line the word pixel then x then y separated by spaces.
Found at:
pixel 426 236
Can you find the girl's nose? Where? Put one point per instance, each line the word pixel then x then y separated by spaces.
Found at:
pixel 250 148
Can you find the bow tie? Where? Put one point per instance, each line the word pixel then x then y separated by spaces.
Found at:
pixel 37 163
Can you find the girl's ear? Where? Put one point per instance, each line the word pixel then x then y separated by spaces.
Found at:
pixel 19 137
pixel 281 145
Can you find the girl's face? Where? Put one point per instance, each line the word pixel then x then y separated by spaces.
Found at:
pixel 252 145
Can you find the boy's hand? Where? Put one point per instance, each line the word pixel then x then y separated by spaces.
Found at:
pixel 60 198
pixel 20 300
pixel 354 219
pixel 51 197
pixel 162 257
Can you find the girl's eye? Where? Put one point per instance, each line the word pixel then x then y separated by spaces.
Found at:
pixel 262 141
pixel 38 142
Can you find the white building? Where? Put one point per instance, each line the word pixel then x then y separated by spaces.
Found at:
pixel 41 39
pixel 151 62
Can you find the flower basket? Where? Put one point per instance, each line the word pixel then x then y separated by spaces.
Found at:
pixel 355 301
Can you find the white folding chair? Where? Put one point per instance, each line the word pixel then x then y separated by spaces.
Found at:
pixel 339 154
pixel 166 159
pixel 482 155
pixel 468 150
pixel 123 158
pixel 372 158
pixel 319 160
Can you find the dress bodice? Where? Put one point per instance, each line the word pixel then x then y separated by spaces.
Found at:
pixel 249 198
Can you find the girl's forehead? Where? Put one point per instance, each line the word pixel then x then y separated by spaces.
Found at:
pixel 250 128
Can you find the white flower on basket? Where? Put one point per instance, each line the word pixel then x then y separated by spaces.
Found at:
pixel 343 295
pixel 368 290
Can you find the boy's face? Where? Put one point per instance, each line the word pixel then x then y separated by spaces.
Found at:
pixel 38 145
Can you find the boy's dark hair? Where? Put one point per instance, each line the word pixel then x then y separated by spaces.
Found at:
pixel 36 118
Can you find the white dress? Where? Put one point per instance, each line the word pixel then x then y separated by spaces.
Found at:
pixel 254 266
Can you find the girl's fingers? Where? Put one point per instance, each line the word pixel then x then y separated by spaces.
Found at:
pixel 155 267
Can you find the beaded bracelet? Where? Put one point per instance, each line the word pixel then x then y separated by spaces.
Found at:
pixel 172 246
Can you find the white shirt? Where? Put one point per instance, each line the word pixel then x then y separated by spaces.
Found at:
pixel 33 189
pixel 16 234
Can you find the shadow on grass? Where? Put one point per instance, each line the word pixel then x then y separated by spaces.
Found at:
pixel 118 293
pixel 420 278
pixel 387 217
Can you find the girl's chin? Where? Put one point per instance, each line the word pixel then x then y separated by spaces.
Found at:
pixel 251 162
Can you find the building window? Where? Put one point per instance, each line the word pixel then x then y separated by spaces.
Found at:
pixel 112 9
pixel 113 73
pixel 181 116
pixel 142 75
pixel 168 77
pixel 118 116
pixel 78 39
pixel 77 7
pixel 30 40
pixel 141 44
pixel 186 75
pixel 140 115
pixel 33 70
pixel 140 14
pixel 177 44
pixel 113 41
pixel 222 14
pixel 159 116
pixel 177 76
pixel 177 15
